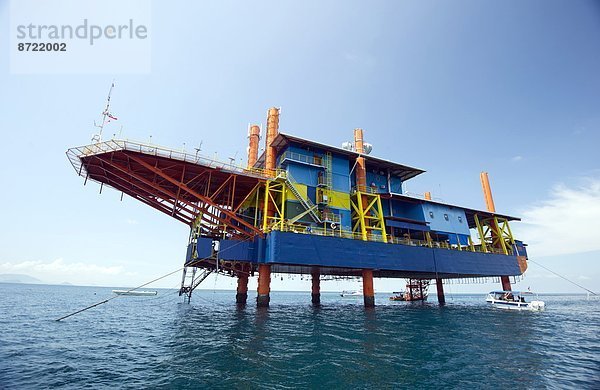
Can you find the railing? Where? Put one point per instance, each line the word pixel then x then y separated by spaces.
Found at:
pixel 365 189
pixel 318 231
pixel 313 160
pixel 113 145
pixel 343 233
pixel 330 217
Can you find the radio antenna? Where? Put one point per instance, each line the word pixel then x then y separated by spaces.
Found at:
pixel 107 117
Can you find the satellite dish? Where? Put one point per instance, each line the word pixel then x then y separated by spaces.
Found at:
pixel 367 148
pixel 347 145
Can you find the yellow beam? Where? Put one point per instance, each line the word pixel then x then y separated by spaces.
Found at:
pixel 266 206
pixel 499 236
pixel 381 219
pixel 481 233
pixel 361 216
pixel 282 212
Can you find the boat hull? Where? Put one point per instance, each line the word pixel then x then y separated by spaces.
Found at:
pixel 534 305
pixel 135 293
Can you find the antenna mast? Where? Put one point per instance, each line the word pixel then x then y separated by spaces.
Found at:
pixel 106 113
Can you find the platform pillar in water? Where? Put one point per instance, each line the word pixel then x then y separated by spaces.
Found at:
pixel 440 291
pixel 316 287
pixel 505 283
pixel 242 289
pixel 264 285
pixel 368 290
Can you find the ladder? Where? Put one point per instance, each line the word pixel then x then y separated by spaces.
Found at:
pixel 189 280
pixel 328 172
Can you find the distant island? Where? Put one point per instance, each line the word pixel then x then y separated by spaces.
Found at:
pixel 19 278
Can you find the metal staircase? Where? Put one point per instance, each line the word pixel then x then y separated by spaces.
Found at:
pixel 305 202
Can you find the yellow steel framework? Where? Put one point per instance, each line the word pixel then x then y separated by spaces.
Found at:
pixel 494 232
pixel 367 215
pixel 274 203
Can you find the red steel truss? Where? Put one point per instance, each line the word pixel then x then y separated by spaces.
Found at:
pixel 184 186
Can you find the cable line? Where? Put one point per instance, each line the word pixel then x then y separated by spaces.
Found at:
pixel 560 276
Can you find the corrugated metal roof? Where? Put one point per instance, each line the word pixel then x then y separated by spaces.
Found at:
pixel 403 171
pixel 468 211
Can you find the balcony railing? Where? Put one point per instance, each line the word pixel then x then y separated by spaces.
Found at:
pixel 312 160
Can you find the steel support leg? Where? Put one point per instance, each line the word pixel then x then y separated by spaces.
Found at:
pixel 440 291
pixel 264 285
pixel 368 291
pixel 242 289
pixel 316 288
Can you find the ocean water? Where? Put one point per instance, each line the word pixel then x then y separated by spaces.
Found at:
pixel 160 342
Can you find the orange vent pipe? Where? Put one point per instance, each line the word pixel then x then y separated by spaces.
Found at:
pixel 487 192
pixel 272 131
pixel 253 138
pixel 361 171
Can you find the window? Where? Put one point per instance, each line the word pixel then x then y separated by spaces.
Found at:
pixel 446 217
pixel 431 214
pixel 459 219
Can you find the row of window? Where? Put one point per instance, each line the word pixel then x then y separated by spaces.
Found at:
pixel 446 217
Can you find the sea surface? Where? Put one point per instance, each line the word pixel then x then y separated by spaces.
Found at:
pixel 161 342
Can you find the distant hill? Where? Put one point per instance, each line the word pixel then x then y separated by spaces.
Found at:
pixel 18 278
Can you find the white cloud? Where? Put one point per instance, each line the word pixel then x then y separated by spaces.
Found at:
pixel 567 222
pixel 516 158
pixel 58 270
pixel 132 222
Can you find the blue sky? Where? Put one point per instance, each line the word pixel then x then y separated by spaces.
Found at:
pixel 455 88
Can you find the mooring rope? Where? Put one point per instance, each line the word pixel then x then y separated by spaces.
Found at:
pixel 560 276
pixel 116 296
pixel 145 284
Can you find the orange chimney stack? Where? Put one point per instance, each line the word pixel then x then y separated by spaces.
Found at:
pixel 272 131
pixel 253 139
pixel 487 192
pixel 361 170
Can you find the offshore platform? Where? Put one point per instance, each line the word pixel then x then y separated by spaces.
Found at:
pixel 303 207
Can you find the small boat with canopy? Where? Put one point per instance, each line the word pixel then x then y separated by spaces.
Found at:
pixel 519 300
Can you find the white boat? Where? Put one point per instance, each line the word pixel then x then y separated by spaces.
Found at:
pixel 351 293
pixel 138 293
pixel 515 300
